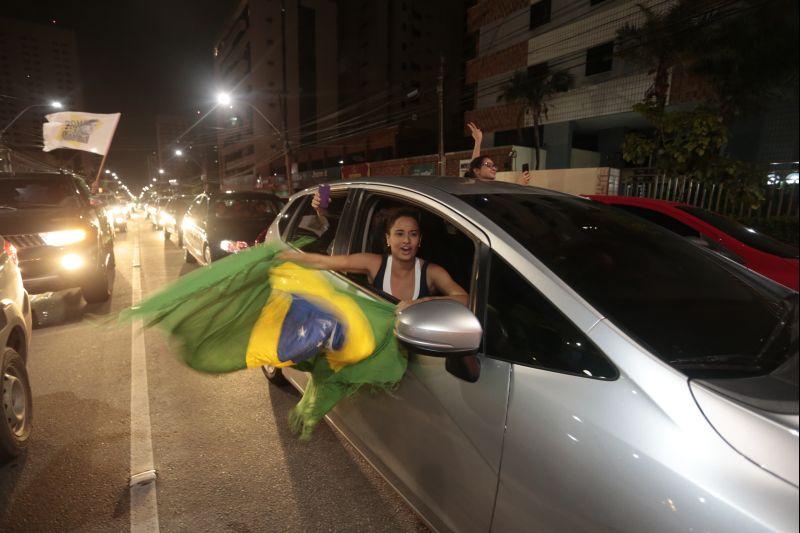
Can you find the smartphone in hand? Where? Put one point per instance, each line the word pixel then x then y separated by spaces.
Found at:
pixel 525 167
pixel 324 196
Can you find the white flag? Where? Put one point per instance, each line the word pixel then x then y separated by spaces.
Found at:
pixel 79 131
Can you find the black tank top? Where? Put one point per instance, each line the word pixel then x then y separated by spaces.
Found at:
pixel 382 280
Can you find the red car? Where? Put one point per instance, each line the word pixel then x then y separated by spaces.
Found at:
pixel 761 253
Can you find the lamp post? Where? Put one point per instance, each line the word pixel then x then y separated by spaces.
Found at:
pixel 54 104
pixel 203 176
pixel 226 100
pixel 5 154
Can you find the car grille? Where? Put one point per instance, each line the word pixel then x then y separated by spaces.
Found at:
pixel 27 240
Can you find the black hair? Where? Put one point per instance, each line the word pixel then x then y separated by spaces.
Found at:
pixel 400 212
pixel 474 165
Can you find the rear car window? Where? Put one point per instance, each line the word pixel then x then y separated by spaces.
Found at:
pixel 742 233
pixel 691 308
pixel 243 208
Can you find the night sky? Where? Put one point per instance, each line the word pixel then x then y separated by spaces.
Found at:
pixel 139 58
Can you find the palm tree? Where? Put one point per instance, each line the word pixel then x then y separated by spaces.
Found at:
pixel 532 89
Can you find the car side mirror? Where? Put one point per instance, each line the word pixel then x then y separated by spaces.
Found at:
pixel 439 328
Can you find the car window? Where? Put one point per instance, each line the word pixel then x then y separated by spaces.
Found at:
pixel 523 327
pixel 243 208
pixel 663 220
pixel 744 234
pixel 286 217
pixel 320 227
pixel 693 309
pixel 442 243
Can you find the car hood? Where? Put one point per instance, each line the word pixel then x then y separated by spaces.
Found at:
pixel 237 230
pixel 757 416
pixel 40 220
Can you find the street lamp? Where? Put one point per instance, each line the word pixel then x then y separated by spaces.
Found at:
pixel 179 152
pixel 161 171
pixel 224 98
pixel 54 105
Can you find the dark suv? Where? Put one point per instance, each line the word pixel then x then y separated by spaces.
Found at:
pixel 62 240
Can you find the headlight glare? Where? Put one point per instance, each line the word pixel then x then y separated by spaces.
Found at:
pixel 63 238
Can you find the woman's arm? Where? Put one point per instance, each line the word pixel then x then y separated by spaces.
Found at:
pixel 442 284
pixel 477 134
pixel 356 263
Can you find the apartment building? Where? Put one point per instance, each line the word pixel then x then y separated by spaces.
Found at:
pixel 38 65
pixel 249 64
pixel 576 36
pixel 589 122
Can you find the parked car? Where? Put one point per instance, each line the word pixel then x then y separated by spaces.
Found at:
pixel 62 240
pixel 220 223
pixel 15 336
pixel 627 379
pixel 172 217
pixel 753 249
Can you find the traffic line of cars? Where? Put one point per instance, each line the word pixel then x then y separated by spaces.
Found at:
pixel 212 225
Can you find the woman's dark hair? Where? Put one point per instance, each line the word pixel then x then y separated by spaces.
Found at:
pixel 400 212
pixel 474 165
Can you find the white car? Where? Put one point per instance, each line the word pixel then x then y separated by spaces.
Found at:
pixel 15 336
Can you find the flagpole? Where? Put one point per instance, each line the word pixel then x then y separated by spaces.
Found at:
pixel 96 183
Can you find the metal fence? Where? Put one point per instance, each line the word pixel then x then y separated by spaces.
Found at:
pixel 780 199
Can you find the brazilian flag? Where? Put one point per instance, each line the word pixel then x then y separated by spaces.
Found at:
pixel 251 309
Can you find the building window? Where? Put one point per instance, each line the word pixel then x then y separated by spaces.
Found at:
pixel 540 13
pixel 600 58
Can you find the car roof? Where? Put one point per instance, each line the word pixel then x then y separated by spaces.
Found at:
pixel 235 194
pixel 33 175
pixel 452 185
pixel 633 200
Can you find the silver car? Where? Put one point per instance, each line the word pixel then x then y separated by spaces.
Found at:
pixel 606 376
pixel 16 406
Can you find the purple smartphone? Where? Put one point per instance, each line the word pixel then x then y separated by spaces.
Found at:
pixel 324 196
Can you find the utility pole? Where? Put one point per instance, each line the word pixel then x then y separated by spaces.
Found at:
pixel 287 158
pixel 440 96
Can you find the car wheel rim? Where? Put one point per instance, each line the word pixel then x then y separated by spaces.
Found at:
pixel 15 404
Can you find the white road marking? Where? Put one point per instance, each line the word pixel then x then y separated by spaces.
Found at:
pixel 144 505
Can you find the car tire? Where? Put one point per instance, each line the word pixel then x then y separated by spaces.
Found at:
pixel 16 407
pixel 97 289
pixel 188 257
pixel 275 376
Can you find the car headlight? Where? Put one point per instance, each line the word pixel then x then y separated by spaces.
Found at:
pixel 63 237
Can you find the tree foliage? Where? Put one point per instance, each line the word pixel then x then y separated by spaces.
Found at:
pixel 689 144
pixel 532 89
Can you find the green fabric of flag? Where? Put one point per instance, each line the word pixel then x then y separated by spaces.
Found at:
pixel 230 316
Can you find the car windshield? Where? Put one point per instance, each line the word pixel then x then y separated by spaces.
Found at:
pixel 27 193
pixel 243 208
pixel 741 233
pixel 692 309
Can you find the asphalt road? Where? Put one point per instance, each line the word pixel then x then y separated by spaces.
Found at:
pixel 225 458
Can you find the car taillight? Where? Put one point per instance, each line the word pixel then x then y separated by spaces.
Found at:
pixel 11 252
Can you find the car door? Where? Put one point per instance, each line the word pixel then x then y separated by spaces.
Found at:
pixel 437 437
